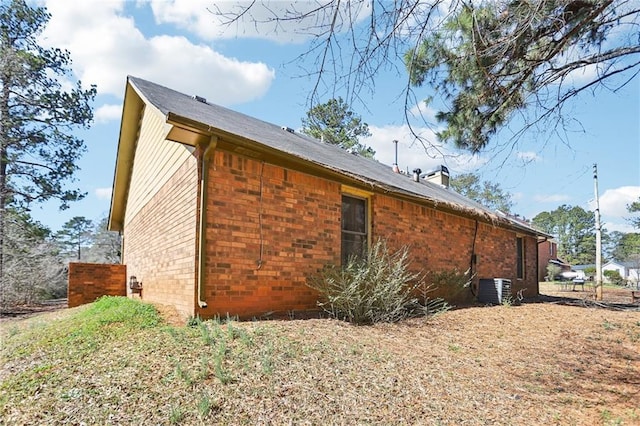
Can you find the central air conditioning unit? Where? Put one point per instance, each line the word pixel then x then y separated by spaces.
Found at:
pixel 494 291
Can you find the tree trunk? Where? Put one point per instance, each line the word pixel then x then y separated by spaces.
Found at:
pixel 4 112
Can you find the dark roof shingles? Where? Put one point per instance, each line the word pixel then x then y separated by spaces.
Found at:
pixel 369 171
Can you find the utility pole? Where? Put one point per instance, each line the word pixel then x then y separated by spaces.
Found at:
pixel 598 277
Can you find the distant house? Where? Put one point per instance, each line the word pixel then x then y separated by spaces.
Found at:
pixel 548 255
pixel 223 213
pixel 629 271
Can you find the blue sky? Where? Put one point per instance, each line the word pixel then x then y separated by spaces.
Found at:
pixel 179 44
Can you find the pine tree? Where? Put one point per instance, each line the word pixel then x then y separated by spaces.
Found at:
pixel 38 151
pixel 335 123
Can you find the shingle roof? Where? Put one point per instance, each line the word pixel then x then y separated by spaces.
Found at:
pixel 368 171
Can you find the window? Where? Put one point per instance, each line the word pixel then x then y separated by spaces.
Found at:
pixel 355 236
pixel 520 257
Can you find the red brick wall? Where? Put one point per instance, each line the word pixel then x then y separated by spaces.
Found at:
pixel 292 225
pixel 547 250
pixel 291 221
pixel 89 281
pixel 160 245
pixel 441 241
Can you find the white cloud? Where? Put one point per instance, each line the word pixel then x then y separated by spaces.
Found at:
pixel 412 153
pixel 107 112
pixel 106 46
pixel 274 20
pixel 623 227
pixel 424 112
pixel 103 193
pixel 583 75
pixel 528 156
pixel 613 202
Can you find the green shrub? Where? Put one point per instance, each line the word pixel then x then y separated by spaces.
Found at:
pixel 613 277
pixel 552 271
pixel 375 288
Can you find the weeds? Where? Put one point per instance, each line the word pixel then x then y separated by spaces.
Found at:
pixel 183 374
pixel 607 418
pixel 266 359
pixel 376 288
pixel 205 406
pixel 317 371
pixel 219 363
pixel 176 415
pixel 207 336
pixel 454 348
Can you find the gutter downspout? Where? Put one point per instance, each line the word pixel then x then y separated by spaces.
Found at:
pixel 473 261
pixel 204 180
pixel 538 261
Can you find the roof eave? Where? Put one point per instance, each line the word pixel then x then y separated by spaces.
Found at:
pixel 132 110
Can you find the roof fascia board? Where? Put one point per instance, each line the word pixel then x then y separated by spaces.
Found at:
pixel 132 111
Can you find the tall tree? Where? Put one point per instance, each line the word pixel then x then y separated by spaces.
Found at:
pixel 488 194
pixel 574 229
pixel 505 54
pixel 491 60
pixel 33 268
pixel 611 244
pixel 76 233
pixel 627 247
pixel 634 208
pixel 38 151
pixel 335 123
pixel 106 245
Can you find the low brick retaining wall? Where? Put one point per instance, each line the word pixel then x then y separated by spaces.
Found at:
pixel 89 281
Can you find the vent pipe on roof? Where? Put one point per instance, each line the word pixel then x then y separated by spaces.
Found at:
pixel 395 167
pixel 416 175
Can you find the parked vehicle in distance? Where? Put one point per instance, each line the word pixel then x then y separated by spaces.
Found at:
pixel 575 276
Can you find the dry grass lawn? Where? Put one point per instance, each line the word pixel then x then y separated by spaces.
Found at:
pixel 539 363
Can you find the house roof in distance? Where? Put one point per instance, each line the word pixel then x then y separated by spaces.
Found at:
pixel 180 107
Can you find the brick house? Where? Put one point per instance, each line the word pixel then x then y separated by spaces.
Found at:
pixel 223 213
pixel 548 255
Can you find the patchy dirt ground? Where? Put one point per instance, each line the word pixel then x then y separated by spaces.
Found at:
pixel 25 311
pixel 550 292
pixel 562 359
pixel 610 295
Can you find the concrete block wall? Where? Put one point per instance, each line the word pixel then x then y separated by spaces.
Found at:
pixel 89 281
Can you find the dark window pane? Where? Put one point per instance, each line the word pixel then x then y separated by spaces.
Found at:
pixel 354 227
pixel 353 245
pixel 354 217
pixel 520 257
